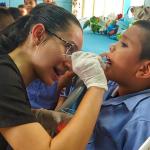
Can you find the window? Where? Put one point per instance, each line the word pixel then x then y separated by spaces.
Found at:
pixel 107 7
pixel 137 2
pixel 88 8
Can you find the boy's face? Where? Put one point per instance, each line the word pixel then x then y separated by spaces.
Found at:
pixel 23 11
pixel 47 1
pixel 29 4
pixel 124 57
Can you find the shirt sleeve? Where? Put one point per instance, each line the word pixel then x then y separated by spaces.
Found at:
pixel 134 135
pixel 14 105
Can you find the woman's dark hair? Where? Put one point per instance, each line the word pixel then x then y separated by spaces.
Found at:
pixel 5 18
pixel 145 52
pixel 54 18
pixel 14 12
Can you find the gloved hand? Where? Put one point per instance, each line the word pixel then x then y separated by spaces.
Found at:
pixel 88 67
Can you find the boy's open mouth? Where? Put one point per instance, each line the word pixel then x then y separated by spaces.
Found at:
pixel 106 60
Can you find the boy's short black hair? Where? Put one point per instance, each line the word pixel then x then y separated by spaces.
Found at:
pixel 145 24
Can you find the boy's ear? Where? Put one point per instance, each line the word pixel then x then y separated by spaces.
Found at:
pixel 38 33
pixel 144 70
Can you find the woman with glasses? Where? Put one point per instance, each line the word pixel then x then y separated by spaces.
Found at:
pixel 46 96
pixel 37 46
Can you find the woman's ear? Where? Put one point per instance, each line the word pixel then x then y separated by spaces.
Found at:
pixel 144 70
pixel 38 35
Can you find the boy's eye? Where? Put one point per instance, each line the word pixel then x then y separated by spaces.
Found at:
pixel 123 44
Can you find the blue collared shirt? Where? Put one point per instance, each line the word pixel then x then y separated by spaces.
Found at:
pixel 123 123
pixel 42 95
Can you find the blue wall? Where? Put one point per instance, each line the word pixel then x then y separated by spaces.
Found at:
pixel 67 4
pixel 126 6
pixel 12 3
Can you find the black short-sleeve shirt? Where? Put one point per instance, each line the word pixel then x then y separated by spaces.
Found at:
pixel 15 108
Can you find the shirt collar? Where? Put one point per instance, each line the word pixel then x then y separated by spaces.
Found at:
pixel 130 100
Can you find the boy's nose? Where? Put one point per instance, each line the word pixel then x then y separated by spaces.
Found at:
pixel 112 48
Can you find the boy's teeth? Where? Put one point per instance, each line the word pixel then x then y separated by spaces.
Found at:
pixel 106 60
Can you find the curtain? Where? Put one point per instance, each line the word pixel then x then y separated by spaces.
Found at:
pixel 137 2
pixel 107 7
pixel 77 8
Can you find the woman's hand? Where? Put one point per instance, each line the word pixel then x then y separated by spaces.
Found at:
pixel 88 67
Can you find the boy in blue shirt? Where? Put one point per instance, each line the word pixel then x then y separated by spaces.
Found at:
pixel 124 120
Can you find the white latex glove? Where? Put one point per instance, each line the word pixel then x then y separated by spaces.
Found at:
pixel 87 66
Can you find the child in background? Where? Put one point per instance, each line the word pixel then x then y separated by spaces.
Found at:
pixel 46 96
pixel 29 5
pixel 22 10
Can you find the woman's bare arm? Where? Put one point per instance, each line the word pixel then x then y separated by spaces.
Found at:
pixel 32 136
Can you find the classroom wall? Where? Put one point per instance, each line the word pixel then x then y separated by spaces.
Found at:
pixel 12 3
pixel 67 4
pixel 126 6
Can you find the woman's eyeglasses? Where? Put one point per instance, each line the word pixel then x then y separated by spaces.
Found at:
pixel 70 46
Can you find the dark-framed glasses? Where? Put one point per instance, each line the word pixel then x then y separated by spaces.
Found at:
pixel 70 46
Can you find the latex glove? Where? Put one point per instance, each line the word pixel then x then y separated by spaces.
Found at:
pixel 88 67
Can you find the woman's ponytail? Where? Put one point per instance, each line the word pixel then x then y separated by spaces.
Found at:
pixel 14 35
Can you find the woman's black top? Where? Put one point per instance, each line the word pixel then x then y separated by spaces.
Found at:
pixel 15 108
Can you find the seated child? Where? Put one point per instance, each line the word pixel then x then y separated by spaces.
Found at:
pixel 124 120
pixel 22 10
pixel 42 95
pixel 46 96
